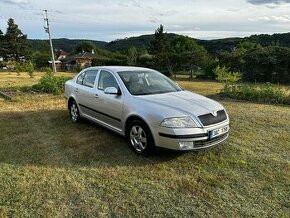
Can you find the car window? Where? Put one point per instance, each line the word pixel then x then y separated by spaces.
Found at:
pixel 80 79
pixel 89 78
pixel 106 80
pixel 147 82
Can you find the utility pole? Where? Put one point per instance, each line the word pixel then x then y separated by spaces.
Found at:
pixel 46 28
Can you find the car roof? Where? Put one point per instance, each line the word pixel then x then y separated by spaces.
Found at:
pixel 116 69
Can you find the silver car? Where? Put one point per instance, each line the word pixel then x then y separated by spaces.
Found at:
pixel 146 107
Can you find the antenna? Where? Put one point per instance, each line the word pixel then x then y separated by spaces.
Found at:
pixel 46 29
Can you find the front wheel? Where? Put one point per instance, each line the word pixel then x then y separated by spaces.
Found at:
pixel 74 112
pixel 140 138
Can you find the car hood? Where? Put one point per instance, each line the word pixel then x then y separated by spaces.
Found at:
pixel 186 102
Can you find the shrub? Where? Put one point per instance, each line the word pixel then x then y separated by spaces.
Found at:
pixel 50 84
pixel 224 75
pixel 25 67
pixel 260 93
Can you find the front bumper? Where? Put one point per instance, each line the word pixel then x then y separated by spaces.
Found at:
pixel 171 138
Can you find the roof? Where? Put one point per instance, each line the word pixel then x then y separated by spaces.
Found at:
pixel 85 55
pixel 120 68
pixel 82 55
pixel 56 62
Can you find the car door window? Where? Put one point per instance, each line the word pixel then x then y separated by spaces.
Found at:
pixel 89 78
pixel 106 80
pixel 80 79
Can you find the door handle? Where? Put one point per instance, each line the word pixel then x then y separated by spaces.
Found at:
pixel 96 96
pixel 77 90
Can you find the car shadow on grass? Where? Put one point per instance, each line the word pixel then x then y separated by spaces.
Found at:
pixel 49 138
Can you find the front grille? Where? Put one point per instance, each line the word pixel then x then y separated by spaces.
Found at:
pixel 209 119
pixel 208 142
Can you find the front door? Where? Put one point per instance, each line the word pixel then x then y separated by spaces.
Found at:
pixel 109 107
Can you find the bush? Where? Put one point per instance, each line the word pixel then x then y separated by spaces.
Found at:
pixel 50 84
pixel 264 93
pixel 25 67
pixel 226 76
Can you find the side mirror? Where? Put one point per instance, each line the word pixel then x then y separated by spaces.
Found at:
pixel 112 91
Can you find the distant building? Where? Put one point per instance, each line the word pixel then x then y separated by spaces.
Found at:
pixel 84 59
pixel 61 55
pixel 58 65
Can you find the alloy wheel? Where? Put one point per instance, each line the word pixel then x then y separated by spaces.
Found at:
pixel 138 138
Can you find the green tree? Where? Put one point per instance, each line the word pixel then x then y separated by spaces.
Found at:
pixel 15 43
pixel 132 56
pixel 1 43
pixel 224 75
pixel 85 46
pixel 235 59
pixel 42 56
pixel 159 50
pixel 186 54
pixel 267 64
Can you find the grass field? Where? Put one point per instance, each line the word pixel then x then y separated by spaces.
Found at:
pixel 50 167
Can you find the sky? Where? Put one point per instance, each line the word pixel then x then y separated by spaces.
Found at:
pixel 108 20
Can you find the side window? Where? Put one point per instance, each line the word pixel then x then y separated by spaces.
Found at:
pixel 80 79
pixel 106 80
pixel 89 78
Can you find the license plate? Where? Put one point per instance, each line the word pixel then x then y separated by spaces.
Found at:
pixel 218 132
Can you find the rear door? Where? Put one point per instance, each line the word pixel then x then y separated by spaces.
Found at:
pixel 85 91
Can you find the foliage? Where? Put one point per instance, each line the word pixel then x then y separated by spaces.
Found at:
pixel 15 43
pixel 85 46
pixel 159 50
pixel 224 75
pixel 47 70
pixel 25 67
pixel 145 60
pixel 109 62
pixel 267 64
pixel 132 56
pixel 41 59
pixel 186 54
pixel 235 59
pixel 208 71
pixel 50 84
pixel 259 93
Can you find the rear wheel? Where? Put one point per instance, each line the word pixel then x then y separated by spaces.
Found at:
pixel 74 112
pixel 140 138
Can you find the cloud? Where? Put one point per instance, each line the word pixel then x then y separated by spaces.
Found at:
pixel 267 2
pixel 16 2
pixel 275 19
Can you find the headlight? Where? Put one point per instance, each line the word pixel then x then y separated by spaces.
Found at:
pixel 178 122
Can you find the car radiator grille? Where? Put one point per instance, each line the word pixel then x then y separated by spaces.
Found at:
pixel 209 119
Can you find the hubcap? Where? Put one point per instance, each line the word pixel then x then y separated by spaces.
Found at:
pixel 74 112
pixel 138 138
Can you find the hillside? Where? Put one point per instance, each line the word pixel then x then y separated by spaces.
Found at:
pixel 64 44
pixel 143 42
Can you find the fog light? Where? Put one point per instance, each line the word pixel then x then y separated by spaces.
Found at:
pixel 185 145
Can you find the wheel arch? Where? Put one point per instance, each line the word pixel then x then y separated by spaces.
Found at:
pixel 70 101
pixel 133 117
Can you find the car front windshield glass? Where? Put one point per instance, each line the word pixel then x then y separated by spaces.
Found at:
pixel 147 82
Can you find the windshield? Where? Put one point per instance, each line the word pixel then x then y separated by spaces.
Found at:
pixel 147 82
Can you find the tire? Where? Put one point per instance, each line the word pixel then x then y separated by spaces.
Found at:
pixel 74 112
pixel 140 138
